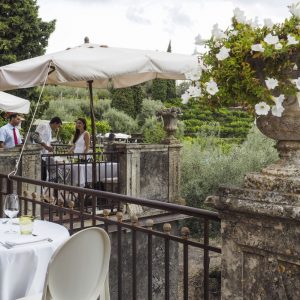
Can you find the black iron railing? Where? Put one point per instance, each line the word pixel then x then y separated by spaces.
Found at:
pixel 145 250
pixel 77 170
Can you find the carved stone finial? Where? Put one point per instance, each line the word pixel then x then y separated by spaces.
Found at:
pixel 185 231
pixel 119 216
pixel 105 213
pixel 71 204
pixel 134 220
pixel 149 223
pixel 167 228
pixel 25 193
pixel 86 40
pixel 34 195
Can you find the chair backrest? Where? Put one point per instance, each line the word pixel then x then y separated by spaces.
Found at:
pixel 79 268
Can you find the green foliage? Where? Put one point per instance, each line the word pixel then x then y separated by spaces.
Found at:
pixel 159 89
pixel 103 127
pixel 66 132
pixel 208 163
pixel 120 121
pixel 68 110
pixel 241 76
pixel 122 99
pixel 181 88
pixel 232 123
pixel 23 35
pixel 148 110
pixel 138 96
pixel 153 131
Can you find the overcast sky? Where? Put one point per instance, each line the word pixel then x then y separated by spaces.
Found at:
pixel 147 24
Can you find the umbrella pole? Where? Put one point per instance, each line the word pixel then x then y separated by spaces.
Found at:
pixel 90 85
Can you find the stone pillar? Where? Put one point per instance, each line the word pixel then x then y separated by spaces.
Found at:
pixel 150 171
pixel 261 231
pixel 30 165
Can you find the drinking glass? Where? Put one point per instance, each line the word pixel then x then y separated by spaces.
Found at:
pixel 11 208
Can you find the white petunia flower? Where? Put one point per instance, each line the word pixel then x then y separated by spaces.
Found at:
pixel 257 48
pixel 278 46
pixel 185 98
pixel 295 9
pixel 194 91
pixel 262 108
pixel 291 40
pixel 199 41
pixel 277 111
pixel 217 33
pixel 212 87
pixel 234 32
pixel 239 15
pixel 268 23
pixel 278 100
pixel 194 74
pixel 271 83
pixel 271 39
pixel 297 83
pixel 223 54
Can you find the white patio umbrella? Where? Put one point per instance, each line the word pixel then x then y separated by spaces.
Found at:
pixel 101 64
pixel 95 65
pixel 11 103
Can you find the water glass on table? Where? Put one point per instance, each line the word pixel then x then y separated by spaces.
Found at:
pixel 11 209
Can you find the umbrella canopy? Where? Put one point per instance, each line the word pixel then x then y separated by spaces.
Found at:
pixel 101 64
pixel 12 103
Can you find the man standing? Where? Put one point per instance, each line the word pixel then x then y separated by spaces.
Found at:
pixel 45 137
pixel 9 134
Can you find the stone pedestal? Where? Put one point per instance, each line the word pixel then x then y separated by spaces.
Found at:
pixel 149 171
pixel 261 231
pixel 30 165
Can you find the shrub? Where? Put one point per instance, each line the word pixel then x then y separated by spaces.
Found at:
pixel 148 110
pixel 119 121
pixel 153 131
pixel 102 127
pixel 66 132
pixel 208 163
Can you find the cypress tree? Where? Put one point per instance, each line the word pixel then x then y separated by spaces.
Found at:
pixel 171 84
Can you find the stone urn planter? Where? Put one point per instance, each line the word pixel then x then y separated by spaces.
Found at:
pixel 282 175
pixel 170 119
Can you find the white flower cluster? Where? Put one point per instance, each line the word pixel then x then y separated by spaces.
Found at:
pixel 263 108
pixel 211 86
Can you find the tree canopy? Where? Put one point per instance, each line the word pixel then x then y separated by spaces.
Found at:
pixel 22 33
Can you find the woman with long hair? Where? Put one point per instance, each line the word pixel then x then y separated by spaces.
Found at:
pixel 81 138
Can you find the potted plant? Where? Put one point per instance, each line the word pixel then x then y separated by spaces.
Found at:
pixel 255 67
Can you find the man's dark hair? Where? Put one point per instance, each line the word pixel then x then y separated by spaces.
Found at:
pixel 12 116
pixel 56 120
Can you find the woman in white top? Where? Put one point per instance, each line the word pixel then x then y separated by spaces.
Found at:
pixel 81 138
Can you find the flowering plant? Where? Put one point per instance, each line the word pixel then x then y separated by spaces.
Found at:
pixel 250 64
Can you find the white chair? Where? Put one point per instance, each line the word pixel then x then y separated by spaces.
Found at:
pixel 79 268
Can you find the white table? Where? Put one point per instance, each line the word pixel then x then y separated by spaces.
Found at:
pixel 82 172
pixel 23 267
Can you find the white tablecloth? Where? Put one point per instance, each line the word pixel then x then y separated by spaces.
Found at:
pixel 108 171
pixel 23 267
pixel 82 173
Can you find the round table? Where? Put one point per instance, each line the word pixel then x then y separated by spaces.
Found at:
pixel 23 267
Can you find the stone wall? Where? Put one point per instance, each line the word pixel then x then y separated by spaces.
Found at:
pixel 30 165
pixel 150 171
